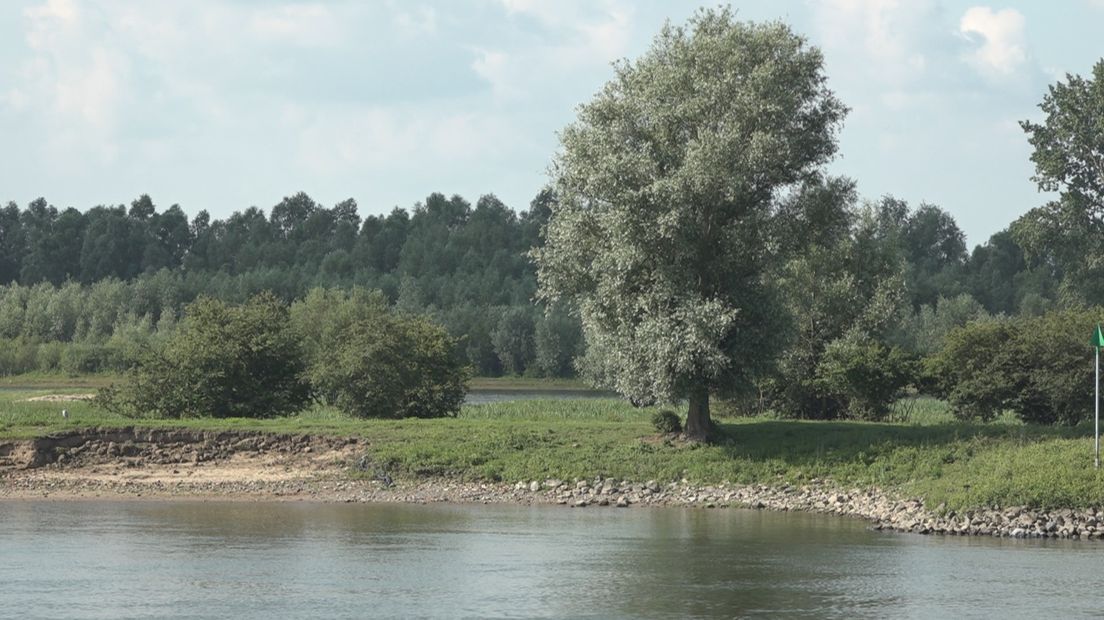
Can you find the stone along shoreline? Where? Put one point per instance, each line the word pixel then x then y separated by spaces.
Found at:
pixel 240 465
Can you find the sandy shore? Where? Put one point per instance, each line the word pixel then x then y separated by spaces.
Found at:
pixel 249 466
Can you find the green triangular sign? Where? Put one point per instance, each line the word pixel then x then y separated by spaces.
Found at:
pixel 1098 337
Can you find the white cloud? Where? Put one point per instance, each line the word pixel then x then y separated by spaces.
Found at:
pixel 1003 48
pixel 91 91
pixel 888 34
pixel 79 81
pixel 884 55
pixel 338 141
pixel 15 99
pixel 63 10
pixel 302 24
pixel 419 22
pixel 496 69
pixel 575 36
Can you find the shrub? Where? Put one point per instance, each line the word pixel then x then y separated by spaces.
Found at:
pixel 17 356
pixel 393 367
pixel 49 356
pixel 1039 367
pixel 371 363
pixel 79 358
pixel 973 370
pixel 864 375
pixel 666 421
pixel 742 404
pixel 1053 370
pixel 223 361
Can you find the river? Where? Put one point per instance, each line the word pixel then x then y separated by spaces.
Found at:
pixel 185 559
pixel 482 396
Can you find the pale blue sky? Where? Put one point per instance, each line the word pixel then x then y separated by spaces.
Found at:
pixel 223 105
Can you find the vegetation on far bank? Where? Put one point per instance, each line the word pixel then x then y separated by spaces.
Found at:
pixel 689 248
pixel 926 452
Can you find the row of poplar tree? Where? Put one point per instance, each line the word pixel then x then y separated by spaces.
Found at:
pixel 81 291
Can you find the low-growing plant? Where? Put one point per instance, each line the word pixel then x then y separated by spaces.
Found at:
pixel 666 421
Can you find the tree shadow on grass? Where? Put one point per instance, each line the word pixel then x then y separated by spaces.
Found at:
pixel 805 442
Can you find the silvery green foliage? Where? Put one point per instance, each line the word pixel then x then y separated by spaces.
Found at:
pixel 666 187
pixel 1068 153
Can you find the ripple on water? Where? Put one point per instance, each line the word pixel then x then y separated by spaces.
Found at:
pixel 92 559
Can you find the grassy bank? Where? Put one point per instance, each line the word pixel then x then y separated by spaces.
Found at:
pixel 56 381
pixel 62 381
pixel 925 453
pixel 526 383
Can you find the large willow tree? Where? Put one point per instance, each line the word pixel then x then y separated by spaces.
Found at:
pixel 667 183
pixel 1069 158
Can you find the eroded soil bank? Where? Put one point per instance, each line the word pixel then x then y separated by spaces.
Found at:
pixel 247 465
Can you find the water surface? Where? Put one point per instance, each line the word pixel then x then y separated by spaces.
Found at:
pixel 482 396
pixel 139 559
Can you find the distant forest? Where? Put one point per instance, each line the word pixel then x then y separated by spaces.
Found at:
pixel 80 290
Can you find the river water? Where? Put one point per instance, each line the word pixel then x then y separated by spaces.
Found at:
pixel 139 559
pixel 483 396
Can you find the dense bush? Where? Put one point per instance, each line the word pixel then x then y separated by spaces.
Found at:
pixel 973 372
pixel 1052 370
pixel 864 376
pixel 223 361
pixel 1038 367
pixel 370 362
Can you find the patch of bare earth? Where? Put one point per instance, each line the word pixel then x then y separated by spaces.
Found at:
pixel 227 465
pixel 171 462
pixel 59 398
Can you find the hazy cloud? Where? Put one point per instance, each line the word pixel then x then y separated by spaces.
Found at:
pixel 889 34
pixel 299 24
pixel 420 21
pixel 220 104
pixel 574 36
pixel 1003 48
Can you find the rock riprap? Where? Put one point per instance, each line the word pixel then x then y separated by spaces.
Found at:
pixel 252 465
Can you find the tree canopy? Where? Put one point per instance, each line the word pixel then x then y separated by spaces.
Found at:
pixel 1069 158
pixel 666 185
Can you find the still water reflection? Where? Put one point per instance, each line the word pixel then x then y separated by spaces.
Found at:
pixel 484 396
pixel 275 560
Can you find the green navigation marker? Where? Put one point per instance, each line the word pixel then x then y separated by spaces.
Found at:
pixel 1097 343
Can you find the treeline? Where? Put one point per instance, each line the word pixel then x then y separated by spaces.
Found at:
pixel 81 291
pixel 444 253
pixel 70 279
pixel 453 253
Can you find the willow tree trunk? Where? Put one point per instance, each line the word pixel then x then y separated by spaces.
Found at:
pixel 698 424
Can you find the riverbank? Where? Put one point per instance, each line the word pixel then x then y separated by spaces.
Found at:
pixel 247 465
pixel 925 471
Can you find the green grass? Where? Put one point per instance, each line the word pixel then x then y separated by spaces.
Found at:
pixel 526 383
pixel 924 452
pixel 589 409
pixel 56 380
